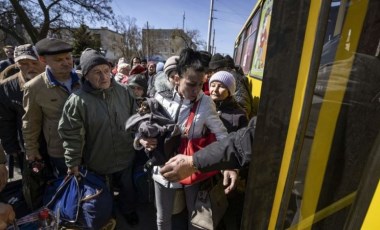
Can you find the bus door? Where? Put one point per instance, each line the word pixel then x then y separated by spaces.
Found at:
pixel 315 160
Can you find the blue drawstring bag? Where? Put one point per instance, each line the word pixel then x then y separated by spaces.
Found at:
pixel 84 201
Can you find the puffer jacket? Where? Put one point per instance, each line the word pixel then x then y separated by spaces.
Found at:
pixel 205 115
pixel 92 128
pixel 43 102
pixel 11 112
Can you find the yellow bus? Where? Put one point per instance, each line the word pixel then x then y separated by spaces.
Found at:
pixel 314 70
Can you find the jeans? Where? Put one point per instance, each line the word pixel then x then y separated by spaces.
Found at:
pixel 164 204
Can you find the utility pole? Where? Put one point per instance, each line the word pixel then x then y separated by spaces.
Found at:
pixel 147 41
pixel 210 26
pixel 183 22
pixel 213 43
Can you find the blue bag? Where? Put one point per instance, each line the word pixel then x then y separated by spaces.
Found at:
pixel 84 201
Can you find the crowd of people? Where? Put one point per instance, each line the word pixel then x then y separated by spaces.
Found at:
pixel 70 118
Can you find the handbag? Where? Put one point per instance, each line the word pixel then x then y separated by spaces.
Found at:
pixel 210 206
pixel 190 146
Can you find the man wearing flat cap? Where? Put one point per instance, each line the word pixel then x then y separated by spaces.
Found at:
pixel 11 97
pixel 44 97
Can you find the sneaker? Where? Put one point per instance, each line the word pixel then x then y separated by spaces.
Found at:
pixel 132 218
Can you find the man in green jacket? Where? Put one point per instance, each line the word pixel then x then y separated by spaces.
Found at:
pixel 92 127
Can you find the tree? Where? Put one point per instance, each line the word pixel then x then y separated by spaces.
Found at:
pixel 190 38
pixel 195 37
pixel 84 39
pixel 128 27
pixel 38 18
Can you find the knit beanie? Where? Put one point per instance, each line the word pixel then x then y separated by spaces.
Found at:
pixel 226 78
pixel 217 61
pixel 138 80
pixel 171 64
pixel 91 58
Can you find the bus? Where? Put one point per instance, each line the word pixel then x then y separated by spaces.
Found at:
pixel 314 69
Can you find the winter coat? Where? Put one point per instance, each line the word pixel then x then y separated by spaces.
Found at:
pixel 205 115
pixel 161 82
pixel 236 147
pixel 242 94
pixel 231 114
pixel 92 128
pixel 11 112
pixel 43 102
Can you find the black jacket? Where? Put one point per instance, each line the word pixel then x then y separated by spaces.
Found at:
pixel 232 115
pixel 234 151
pixel 11 112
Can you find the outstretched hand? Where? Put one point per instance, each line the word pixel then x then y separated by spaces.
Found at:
pixel 178 168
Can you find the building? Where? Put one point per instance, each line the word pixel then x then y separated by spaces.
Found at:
pixel 160 44
pixel 112 42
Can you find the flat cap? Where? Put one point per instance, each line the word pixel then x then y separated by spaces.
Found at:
pixel 51 46
pixel 26 51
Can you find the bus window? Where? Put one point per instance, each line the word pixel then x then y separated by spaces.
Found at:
pixel 239 49
pixel 249 42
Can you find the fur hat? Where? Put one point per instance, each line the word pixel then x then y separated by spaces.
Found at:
pixel 229 61
pixel 51 46
pixel 26 51
pixel 217 61
pixel 171 64
pixel 91 58
pixel 226 78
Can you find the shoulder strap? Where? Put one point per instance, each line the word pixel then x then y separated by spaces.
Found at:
pixel 191 117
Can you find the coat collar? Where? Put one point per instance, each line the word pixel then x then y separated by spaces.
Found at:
pixel 52 82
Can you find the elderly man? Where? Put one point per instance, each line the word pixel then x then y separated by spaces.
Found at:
pixel 11 97
pixel 8 50
pixel 92 128
pixel 44 97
